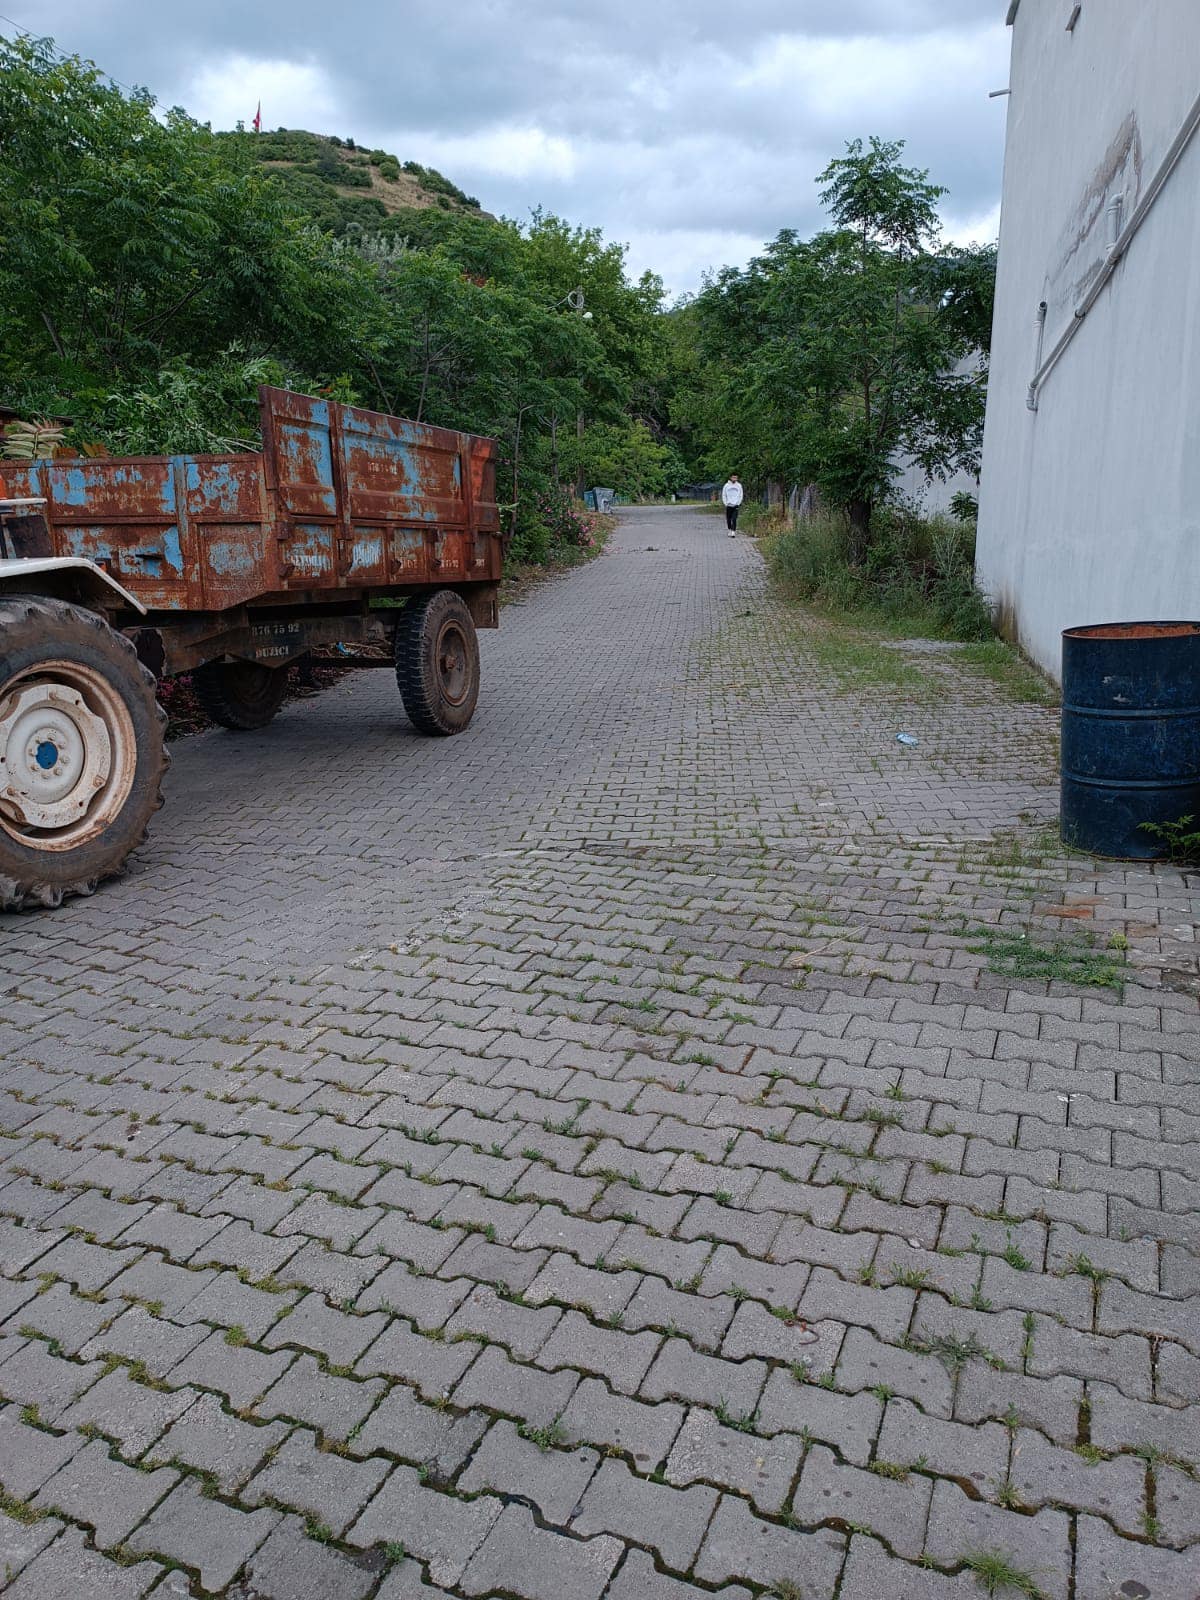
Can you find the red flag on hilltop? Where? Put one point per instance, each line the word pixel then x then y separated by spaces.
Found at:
pixel 257 123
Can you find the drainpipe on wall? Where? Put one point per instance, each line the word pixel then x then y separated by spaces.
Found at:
pixel 1114 211
pixel 1031 397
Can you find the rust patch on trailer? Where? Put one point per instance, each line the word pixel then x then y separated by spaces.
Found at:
pixel 339 499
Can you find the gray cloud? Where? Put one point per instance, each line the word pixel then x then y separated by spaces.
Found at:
pixel 689 127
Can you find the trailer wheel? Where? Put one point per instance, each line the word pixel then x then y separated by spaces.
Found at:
pixel 81 751
pixel 240 694
pixel 437 662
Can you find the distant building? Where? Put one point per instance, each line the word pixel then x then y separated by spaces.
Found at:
pixel 1090 495
pixel 934 495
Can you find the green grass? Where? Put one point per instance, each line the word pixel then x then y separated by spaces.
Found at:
pixel 916 577
pixel 1180 839
pixel 954 1352
pixel 851 662
pixel 999 1575
pixel 545 1438
pixel 1008 671
pixel 1074 959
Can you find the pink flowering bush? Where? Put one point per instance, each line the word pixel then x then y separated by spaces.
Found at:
pixel 550 525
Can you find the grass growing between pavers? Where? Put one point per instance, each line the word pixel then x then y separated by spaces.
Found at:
pixel 1076 960
pixel 998 1575
pixel 854 662
pixel 622 976
pixel 1007 670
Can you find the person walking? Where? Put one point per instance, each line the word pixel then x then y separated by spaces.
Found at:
pixel 731 499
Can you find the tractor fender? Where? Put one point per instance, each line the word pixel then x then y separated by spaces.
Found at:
pixel 70 577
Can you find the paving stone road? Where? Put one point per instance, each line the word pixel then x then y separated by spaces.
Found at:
pixel 597 1156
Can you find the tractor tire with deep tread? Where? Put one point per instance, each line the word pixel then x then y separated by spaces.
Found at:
pixel 437 662
pixel 82 752
pixel 240 695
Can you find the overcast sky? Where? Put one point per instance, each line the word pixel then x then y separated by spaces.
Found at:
pixel 691 129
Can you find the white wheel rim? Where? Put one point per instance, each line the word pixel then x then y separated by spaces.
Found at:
pixel 67 755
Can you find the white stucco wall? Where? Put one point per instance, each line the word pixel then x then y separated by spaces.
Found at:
pixel 935 494
pixel 931 494
pixel 1090 507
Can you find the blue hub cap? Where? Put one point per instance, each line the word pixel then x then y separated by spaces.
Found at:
pixel 47 755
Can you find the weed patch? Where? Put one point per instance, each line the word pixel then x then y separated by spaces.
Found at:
pixel 1008 671
pixel 998 1575
pixel 917 570
pixel 1073 960
pixel 1181 838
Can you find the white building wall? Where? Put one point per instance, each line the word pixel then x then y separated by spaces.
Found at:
pixel 931 494
pixel 935 494
pixel 1090 506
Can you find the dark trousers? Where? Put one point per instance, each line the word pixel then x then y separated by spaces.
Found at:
pixel 731 517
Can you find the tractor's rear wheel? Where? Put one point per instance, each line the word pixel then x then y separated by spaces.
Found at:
pixel 81 751
pixel 437 662
pixel 240 694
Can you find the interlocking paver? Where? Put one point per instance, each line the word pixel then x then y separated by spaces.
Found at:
pixel 212 1440
pixel 541 1565
pixel 29 1455
pixel 554 1480
pixel 499 1133
pixel 21 1541
pixel 740 1545
pixel 132 1413
pixel 31 1374
pixel 894 1508
pixel 441 1530
pixel 330 1488
pixel 1045 1474
pixel 1106 1564
pixel 211 1538
pixel 638 1579
pixel 68 1568
pixel 1037 1545
pixel 672 1521
pixel 95 1488
pixel 707 1451
pixel 290 1564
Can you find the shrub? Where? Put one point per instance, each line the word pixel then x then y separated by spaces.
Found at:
pixel 551 526
pixel 915 568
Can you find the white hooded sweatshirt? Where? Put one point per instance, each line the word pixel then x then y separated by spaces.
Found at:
pixel 731 494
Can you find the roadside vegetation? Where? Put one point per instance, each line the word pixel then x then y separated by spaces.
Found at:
pixel 916 572
pixel 154 273
pixel 828 363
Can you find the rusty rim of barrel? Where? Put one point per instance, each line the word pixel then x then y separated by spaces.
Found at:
pixel 1133 630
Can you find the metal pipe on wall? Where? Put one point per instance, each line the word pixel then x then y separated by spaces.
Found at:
pixel 1118 248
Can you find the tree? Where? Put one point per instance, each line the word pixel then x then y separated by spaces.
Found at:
pixel 130 239
pixel 850 349
pixel 628 457
pixel 152 273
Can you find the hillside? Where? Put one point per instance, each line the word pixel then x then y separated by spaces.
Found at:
pixel 338 182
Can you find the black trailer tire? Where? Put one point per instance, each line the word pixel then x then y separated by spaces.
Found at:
pixel 81 751
pixel 437 662
pixel 240 694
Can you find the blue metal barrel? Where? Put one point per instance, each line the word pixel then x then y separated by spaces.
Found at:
pixel 1130 734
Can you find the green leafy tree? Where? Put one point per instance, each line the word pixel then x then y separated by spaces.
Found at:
pixel 152 273
pixel 628 457
pixel 129 239
pixel 837 355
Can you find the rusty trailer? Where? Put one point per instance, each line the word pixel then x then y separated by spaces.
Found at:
pixel 349 527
